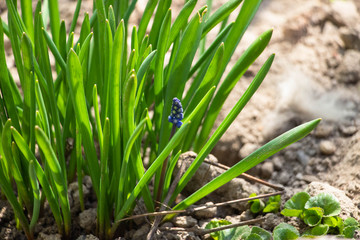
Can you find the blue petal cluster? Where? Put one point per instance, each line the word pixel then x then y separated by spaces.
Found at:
pixel 176 113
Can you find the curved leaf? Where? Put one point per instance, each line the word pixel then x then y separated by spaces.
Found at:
pixel 328 202
pixel 297 201
pixel 313 216
pixel 284 231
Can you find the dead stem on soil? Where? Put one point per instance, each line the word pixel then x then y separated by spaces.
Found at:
pixel 200 231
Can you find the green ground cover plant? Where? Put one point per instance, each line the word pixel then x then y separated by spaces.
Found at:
pixel 320 213
pixel 103 89
pixel 258 206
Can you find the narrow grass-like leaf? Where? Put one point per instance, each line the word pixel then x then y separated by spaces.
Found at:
pixel 112 19
pixel 42 108
pixel 23 192
pixel 149 9
pixel 247 13
pixel 159 70
pixel 19 25
pixel 180 21
pixel 248 57
pixel 15 43
pixel 54 15
pixel 27 16
pixel 206 16
pixel 144 67
pixel 5 28
pixel 79 166
pixel 129 10
pixel 128 106
pixel 169 172
pixel 5 84
pixel 54 50
pixel 8 191
pixel 115 91
pixel 223 126
pixel 36 193
pixel 103 201
pixel 220 15
pixel 179 72
pixel 58 176
pixel 97 116
pixel 161 11
pixel 28 121
pixel 207 82
pixel 220 38
pixel 43 70
pixel 47 190
pixel 75 82
pixel 75 17
pixel 124 167
pixel 18 98
pixel 108 48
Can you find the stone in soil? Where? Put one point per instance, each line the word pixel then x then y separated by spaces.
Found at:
pixel 267 168
pixel 349 71
pixel 348 130
pixel 327 147
pixel 323 130
pixel 87 219
pixel 43 236
pixel 207 212
pixel 87 237
pixel 184 221
pixel 142 232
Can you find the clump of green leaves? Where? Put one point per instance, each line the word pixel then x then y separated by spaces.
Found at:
pixel 242 232
pixel 258 206
pixel 105 90
pixel 320 213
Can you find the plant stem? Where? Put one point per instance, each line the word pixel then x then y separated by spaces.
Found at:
pixel 163 173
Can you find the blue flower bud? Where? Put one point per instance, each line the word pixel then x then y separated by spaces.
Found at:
pixel 176 113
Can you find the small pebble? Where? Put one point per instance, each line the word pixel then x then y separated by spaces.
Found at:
pixel 267 169
pixel 284 178
pixel 184 221
pixel 87 219
pixel 142 232
pixel 327 147
pixel 323 131
pixel 302 157
pixel 348 130
pixel 43 236
pixel 87 237
pixel 278 163
pixel 206 213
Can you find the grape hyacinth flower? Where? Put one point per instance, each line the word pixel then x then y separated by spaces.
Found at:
pixel 176 113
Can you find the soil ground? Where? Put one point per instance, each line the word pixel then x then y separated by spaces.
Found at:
pixel 316 74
